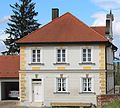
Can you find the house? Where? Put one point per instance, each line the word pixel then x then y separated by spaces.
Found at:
pixel 66 62
pixel 9 75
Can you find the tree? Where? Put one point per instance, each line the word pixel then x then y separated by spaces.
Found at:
pixel 21 23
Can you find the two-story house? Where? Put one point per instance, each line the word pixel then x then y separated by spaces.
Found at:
pixel 66 62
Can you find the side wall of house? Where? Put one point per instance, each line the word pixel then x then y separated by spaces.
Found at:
pixel 110 71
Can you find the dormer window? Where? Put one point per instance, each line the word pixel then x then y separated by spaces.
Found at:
pixel 36 56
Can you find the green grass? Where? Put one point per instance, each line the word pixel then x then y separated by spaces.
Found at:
pixel 114 104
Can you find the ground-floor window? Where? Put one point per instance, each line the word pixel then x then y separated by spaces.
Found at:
pixel 61 84
pixel 87 84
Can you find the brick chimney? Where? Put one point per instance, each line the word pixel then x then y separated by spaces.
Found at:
pixel 109 19
pixel 55 13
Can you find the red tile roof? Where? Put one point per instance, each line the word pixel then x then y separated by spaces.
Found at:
pixel 99 29
pixel 66 28
pixel 9 66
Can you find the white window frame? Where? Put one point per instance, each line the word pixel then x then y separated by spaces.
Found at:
pixel 36 55
pixel 87 84
pixel 61 57
pixel 66 84
pixel 87 55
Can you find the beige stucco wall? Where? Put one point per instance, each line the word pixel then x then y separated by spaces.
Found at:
pixel 49 70
pixel 74 86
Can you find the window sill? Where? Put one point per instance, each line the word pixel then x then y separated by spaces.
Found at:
pixel 61 63
pixel 36 63
pixel 87 93
pixel 86 63
pixel 62 92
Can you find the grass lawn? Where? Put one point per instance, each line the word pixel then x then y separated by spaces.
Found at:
pixel 114 104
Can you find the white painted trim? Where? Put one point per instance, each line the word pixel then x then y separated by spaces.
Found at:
pixel 86 47
pixel 92 83
pixel 66 54
pixel 55 84
pixel 37 48
pixel 42 84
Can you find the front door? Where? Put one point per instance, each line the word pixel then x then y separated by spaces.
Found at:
pixel 37 92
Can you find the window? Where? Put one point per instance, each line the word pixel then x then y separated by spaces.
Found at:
pixel 61 55
pixel 86 55
pixel 61 84
pixel 87 85
pixel 36 56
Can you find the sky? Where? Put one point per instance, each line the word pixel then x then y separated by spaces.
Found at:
pixel 91 12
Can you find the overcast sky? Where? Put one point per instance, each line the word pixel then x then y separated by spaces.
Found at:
pixel 91 12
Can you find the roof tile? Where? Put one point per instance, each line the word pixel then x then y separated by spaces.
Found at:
pixel 66 28
pixel 9 66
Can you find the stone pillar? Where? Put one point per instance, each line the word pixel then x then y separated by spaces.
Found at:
pixel 22 84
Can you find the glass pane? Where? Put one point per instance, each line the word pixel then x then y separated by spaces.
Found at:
pixel 63 84
pixel 33 56
pixel 58 51
pixel 84 84
pixel 33 60
pixel 89 84
pixel 63 59
pixel 89 59
pixel 58 84
pixel 34 51
pixel 63 55
pixel 63 51
pixel 89 55
pixel 38 51
pixel 89 51
pixel 84 59
pixel 58 55
pixel 84 50
pixel 58 60
pixel 84 55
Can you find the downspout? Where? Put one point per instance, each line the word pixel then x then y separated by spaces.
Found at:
pixel 114 71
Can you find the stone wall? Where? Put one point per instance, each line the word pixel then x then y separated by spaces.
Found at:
pixel 105 99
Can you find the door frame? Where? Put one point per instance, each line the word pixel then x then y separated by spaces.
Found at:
pixel 34 82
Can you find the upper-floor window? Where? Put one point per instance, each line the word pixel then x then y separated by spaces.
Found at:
pixel 36 56
pixel 87 85
pixel 61 84
pixel 61 55
pixel 86 55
